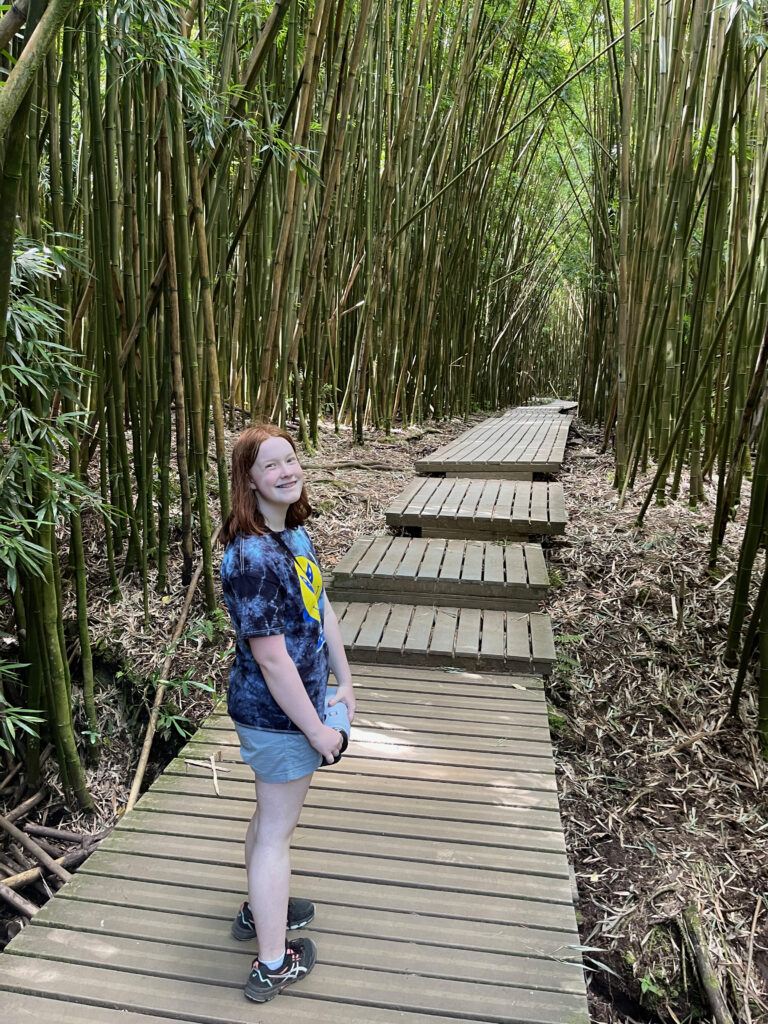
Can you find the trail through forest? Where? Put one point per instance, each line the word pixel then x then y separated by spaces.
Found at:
pixel 663 797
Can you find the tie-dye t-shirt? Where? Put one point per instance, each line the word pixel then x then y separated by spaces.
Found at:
pixel 269 592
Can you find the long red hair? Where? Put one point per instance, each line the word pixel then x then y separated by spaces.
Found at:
pixel 245 515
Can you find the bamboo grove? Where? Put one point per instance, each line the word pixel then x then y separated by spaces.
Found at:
pixel 367 212
pixel 236 208
pixel 675 342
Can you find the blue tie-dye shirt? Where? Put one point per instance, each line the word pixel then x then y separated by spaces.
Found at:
pixel 268 592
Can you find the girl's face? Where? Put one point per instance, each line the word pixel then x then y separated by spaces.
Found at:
pixel 276 475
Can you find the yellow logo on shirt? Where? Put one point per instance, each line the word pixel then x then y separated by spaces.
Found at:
pixel 311 583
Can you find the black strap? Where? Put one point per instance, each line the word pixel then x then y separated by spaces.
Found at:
pixel 281 542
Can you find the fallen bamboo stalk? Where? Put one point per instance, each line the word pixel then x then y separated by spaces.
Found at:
pixel 35 849
pixel 133 796
pixel 22 809
pixel 69 860
pixel 711 986
pixel 62 835
pixel 19 904
pixel 10 777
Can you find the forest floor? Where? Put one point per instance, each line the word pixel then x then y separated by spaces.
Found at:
pixel 664 798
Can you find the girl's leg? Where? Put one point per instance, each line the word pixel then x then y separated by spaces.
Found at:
pixel 268 860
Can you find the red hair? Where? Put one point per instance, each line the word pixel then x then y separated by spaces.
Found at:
pixel 245 515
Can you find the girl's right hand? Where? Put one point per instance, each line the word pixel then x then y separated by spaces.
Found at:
pixel 327 742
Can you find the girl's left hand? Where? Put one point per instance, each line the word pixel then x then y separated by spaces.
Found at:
pixel 345 692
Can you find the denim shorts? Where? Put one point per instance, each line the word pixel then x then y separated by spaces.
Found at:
pixel 277 756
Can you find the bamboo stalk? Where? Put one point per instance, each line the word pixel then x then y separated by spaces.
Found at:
pixel 34 848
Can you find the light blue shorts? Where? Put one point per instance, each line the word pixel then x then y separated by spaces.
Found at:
pixel 277 756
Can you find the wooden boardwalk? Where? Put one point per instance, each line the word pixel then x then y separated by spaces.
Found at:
pixel 473 638
pixel 473 574
pixel 433 850
pixel 479 509
pixel 516 445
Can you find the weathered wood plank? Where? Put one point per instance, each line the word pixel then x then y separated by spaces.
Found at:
pixel 399 897
pixel 372 626
pixel 179 992
pixel 215 909
pixel 461 804
pixel 523 440
pixel 488 510
pixel 396 630
pixel 432 632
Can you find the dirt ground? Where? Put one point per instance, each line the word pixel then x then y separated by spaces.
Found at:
pixel 663 795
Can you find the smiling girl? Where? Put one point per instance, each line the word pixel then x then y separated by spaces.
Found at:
pixel 288 639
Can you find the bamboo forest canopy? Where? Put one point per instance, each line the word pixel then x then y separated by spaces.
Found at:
pixel 370 212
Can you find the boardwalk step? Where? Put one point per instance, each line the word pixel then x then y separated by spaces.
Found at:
pixel 431 634
pixel 470 573
pixel 479 509
pixel 515 445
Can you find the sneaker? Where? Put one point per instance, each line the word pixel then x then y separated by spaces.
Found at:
pixel 264 984
pixel 300 913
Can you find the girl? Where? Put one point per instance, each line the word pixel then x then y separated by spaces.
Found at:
pixel 288 638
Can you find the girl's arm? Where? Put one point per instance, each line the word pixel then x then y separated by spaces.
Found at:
pixel 338 659
pixel 284 683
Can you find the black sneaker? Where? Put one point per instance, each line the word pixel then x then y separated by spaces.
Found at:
pixel 300 913
pixel 264 984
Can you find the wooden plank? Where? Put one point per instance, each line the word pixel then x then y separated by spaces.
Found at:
pixel 536 566
pixel 471 844
pixel 453 497
pixel 348 562
pixel 390 861
pixel 492 642
pixel 376 551
pixel 488 500
pixel 227 815
pixel 373 625
pixel 517 638
pixel 350 619
pixel 420 630
pixel 403 500
pixel 510 446
pixel 539 504
pixel 23 1008
pixel 444 632
pixel 396 630
pixel 394 555
pixel 542 642
pixel 556 497
pixel 409 566
pixel 493 570
pixel 521 506
pixel 542 825
pixel 473 562
pixel 216 907
pixel 333 796
pixel 433 559
pixel 468 507
pixel 233 961
pixel 515 567
pixel 450 570
pixel 468 633
pixel 383 743
pixel 178 991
